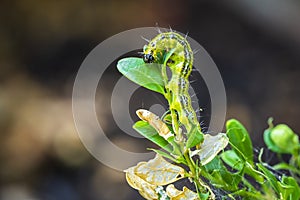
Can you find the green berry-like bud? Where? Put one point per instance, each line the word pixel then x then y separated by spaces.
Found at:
pixel 284 138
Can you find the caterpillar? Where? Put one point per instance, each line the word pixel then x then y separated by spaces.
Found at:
pixel 180 62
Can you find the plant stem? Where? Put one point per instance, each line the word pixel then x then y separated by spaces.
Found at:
pixel 196 178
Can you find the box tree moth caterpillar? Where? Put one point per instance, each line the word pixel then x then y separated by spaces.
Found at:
pixel 174 51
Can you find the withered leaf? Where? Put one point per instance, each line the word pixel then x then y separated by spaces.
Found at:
pixel 147 176
pixel 158 171
pixel 210 147
pixel 186 194
pixel 146 189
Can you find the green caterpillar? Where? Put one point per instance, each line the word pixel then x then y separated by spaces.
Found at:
pixel 172 49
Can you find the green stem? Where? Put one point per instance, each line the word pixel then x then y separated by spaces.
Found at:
pixel 248 184
pixel 191 166
pixel 294 165
pixel 195 177
pixel 190 163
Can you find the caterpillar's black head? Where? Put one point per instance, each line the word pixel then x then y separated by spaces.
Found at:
pixel 148 58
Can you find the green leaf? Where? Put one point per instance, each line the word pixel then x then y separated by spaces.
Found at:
pixel 248 195
pixel 240 140
pixel 146 130
pixel 195 137
pixel 285 166
pixel 166 155
pixel 147 75
pixel 281 139
pixel 294 191
pixel 268 141
pixel 204 196
pixel 270 177
pixel 221 177
pixel 233 160
pixel 284 137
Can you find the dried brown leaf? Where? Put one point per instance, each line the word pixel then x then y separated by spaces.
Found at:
pixel 159 172
pixel 147 190
pixel 210 147
pixel 186 194
pixel 147 176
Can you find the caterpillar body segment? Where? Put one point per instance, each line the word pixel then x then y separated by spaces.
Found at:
pixel 172 49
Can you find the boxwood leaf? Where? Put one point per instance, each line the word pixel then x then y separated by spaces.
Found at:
pixel 185 194
pixel 233 160
pixel 165 154
pixel 239 137
pixel 210 147
pixel 272 180
pixel 221 177
pixel 292 193
pixel 195 137
pixel 158 171
pixel 144 74
pixel 268 141
pixel 146 189
pixel 146 130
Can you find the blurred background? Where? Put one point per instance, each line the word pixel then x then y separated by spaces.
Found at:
pixel 255 44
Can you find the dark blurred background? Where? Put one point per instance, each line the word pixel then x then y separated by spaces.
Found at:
pixel 255 44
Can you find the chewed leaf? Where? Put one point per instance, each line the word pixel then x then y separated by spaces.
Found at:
pixel 210 147
pixel 162 193
pixel 161 128
pixel 186 194
pixel 146 189
pixel 158 171
pixel 146 177
pixel 147 75
pixel 146 130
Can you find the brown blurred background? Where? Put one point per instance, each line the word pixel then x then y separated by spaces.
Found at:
pixel 255 44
